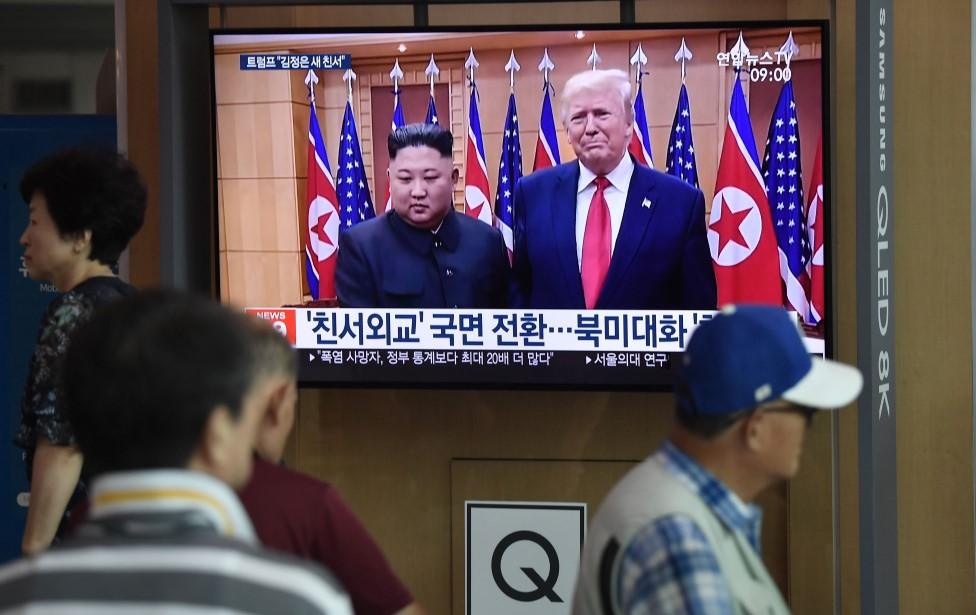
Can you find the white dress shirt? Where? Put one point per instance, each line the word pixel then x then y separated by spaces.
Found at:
pixel 615 194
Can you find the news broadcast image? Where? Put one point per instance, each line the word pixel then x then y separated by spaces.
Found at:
pixel 302 121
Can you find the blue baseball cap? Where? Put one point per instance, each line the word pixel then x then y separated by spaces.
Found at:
pixel 751 354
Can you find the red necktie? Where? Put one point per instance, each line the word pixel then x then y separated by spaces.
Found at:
pixel 596 245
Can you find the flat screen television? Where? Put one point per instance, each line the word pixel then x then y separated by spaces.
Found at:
pixel 734 110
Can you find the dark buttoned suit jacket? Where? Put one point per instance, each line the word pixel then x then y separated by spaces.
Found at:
pixel 385 262
pixel 660 260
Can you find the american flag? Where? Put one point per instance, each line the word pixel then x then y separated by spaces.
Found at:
pixel 640 140
pixel 431 117
pixel 398 121
pixel 784 188
pixel 681 150
pixel 322 222
pixel 355 203
pixel 477 203
pixel 509 172
pixel 546 147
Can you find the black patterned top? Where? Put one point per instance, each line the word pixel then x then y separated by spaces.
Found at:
pixel 41 412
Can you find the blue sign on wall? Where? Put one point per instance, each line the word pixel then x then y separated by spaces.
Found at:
pixel 23 140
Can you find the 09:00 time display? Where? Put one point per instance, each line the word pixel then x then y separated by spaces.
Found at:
pixel 761 73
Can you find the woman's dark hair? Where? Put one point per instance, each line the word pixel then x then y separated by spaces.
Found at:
pixel 418 135
pixel 142 378
pixel 90 189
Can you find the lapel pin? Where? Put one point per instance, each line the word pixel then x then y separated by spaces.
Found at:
pixel 646 204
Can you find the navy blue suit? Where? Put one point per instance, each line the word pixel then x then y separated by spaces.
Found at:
pixel 660 260
pixel 386 263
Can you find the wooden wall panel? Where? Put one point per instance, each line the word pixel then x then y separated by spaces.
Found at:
pixel 844 301
pixel 224 281
pixel 254 276
pixel 260 214
pixel 141 66
pixel 933 303
pixel 365 15
pixel 707 10
pixel 257 141
pixel 351 15
pixel 390 453
pixel 518 13
pixel 233 85
pixel 221 218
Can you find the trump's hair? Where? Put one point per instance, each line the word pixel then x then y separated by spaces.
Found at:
pixel 613 80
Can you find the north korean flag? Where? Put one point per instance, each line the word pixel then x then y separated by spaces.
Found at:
pixel 322 221
pixel 740 228
pixel 546 146
pixel 640 139
pixel 477 203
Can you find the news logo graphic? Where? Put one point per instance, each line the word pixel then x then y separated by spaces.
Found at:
pixel 282 319
pixel 521 558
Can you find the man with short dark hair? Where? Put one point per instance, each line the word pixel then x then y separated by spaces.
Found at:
pixel 298 514
pixel 165 392
pixel 678 534
pixel 422 254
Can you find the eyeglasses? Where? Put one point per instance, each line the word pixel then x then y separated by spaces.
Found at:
pixel 806 411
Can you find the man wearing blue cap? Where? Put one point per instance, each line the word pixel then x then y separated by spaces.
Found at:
pixel 679 533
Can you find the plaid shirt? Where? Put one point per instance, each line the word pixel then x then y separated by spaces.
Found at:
pixel 668 567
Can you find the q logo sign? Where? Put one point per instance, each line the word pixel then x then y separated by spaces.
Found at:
pixel 543 587
pixel 282 319
pixel 522 557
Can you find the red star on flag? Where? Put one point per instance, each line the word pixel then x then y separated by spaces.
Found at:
pixel 475 212
pixel 319 228
pixel 727 226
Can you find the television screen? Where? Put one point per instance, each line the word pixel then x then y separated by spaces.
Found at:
pixel 575 231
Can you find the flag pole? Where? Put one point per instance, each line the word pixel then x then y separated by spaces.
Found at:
pixel 683 55
pixel 349 76
pixel 396 74
pixel 432 72
pixel 638 60
pixel 310 81
pixel 594 58
pixel 511 68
